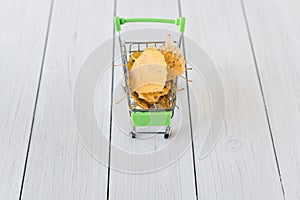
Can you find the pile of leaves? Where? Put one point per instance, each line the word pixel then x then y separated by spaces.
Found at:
pixel 152 73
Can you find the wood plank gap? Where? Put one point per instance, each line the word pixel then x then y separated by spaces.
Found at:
pixel 111 101
pixel 262 94
pixel 36 98
pixel 190 116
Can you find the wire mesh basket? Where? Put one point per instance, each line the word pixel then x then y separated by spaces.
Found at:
pixel 154 120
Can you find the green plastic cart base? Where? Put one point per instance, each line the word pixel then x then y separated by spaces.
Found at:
pixel 157 118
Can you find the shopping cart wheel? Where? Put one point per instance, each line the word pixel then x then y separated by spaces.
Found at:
pixel 133 135
pixel 168 132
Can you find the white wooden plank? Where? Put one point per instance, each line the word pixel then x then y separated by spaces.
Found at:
pixel 275 30
pixel 59 166
pixel 242 165
pixel 175 181
pixel 22 39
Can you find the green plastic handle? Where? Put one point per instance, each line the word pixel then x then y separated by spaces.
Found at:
pixel 159 118
pixel 179 22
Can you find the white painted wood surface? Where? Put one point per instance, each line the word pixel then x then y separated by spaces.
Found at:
pixel 23 26
pixel 275 29
pixel 242 165
pixel 59 166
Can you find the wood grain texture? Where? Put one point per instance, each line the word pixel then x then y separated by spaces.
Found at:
pixel 59 166
pixel 242 165
pixel 175 181
pixel 22 39
pixel 275 28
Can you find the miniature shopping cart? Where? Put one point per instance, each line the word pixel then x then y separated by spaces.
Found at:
pixel 155 120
